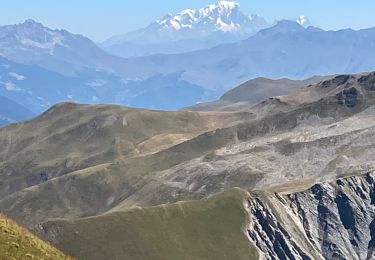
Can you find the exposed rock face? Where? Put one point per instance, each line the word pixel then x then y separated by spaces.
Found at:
pixel 368 81
pixel 348 97
pixel 328 221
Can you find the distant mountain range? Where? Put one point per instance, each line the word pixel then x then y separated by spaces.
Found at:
pixel 188 30
pixel 38 88
pixel 285 50
pixel 57 50
pixel 41 66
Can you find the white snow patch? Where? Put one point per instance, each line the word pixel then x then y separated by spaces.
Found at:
pixel 43 99
pixel 224 27
pixel 5 118
pixel 223 16
pixel 303 20
pixel 57 39
pixel 175 25
pixel 96 83
pixel 16 76
pixel 10 86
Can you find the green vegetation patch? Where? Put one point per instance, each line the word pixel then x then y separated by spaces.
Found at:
pixel 18 243
pixel 212 228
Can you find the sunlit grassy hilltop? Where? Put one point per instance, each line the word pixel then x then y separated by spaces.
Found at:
pixel 18 243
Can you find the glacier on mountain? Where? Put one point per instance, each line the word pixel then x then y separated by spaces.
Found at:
pixel 189 30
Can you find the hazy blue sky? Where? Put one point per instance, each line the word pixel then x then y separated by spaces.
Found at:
pixel 100 19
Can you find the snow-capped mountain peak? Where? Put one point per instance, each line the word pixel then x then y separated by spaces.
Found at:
pixel 188 30
pixel 304 21
pixel 29 35
pixel 57 50
pixel 30 22
pixel 223 16
pixel 224 5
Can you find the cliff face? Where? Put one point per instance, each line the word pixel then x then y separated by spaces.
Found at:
pixel 328 221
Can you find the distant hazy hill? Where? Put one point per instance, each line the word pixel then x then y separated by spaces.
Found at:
pixel 11 112
pixel 40 66
pixel 286 50
pixel 255 91
pixel 37 88
pixel 259 89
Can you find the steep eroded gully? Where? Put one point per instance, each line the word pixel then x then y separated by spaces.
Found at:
pixel 328 221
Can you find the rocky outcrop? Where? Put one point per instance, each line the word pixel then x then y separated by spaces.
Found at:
pixel 328 221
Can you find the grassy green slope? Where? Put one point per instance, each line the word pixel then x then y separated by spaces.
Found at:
pixel 18 243
pixel 207 229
